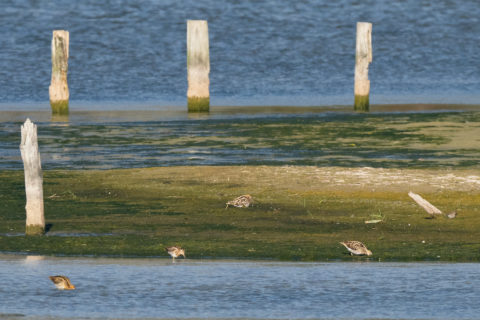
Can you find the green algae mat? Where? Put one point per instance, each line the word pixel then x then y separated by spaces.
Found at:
pixel 378 139
pixel 299 213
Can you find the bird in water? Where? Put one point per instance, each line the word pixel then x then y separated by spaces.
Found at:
pixel 241 202
pixel 62 282
pixel 356 248
pixel 175 252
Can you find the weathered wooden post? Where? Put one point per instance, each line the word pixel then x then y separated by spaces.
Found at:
pixel 58 90
pixel 198 66
pixel 35 223
pixel 363 57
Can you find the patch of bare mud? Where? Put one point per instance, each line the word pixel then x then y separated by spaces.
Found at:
pixel 339 178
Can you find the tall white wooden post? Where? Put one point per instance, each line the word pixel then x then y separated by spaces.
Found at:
pixel 198 66
pixel 35 222
pixel 58 90
pixel 363 57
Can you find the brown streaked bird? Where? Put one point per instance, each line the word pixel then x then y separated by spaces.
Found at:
pixel 356 248
pixel 452 214
pixel 175 252
pixel 241 202
pixel 62 282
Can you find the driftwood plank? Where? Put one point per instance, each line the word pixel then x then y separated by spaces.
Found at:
pixel 430 208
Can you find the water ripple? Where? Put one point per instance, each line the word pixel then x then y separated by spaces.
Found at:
pixel 160 289
pixel 265 52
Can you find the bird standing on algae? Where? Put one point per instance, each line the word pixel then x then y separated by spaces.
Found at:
pixel 244 201
pixel 356 248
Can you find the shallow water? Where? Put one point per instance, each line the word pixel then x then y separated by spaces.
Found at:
pixel 262 52
pixel 158 288
pixel 95 140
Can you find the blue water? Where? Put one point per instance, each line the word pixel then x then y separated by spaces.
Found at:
pixel 262 52
pixel 158 288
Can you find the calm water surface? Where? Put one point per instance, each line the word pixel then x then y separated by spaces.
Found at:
pixel 262 52
pixel 158 288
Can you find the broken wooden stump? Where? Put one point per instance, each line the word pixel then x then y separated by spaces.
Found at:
pixel 427 206
pixel 35 222
pixel 198 66
pixel 58 90
pixel 363 57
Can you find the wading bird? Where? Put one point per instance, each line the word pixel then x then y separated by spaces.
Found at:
pixel 175 252
pixel 241 202
pixel 62 282
pixel 356 248
pixel 452 214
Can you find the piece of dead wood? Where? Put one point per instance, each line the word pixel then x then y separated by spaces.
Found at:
pixel 430 208
pixel 373 221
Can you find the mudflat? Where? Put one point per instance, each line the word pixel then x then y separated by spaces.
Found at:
pixel 298 213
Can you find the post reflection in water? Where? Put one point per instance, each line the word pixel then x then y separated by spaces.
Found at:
pixel 60 119
pixel 33 259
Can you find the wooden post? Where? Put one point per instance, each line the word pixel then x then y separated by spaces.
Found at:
pixel 363 57
pixel 198 66
pixel 35 223
pixel 58 90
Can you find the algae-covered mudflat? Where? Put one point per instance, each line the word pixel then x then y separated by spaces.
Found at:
pixel 300 212
pixel 315 175
pixel 412 136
